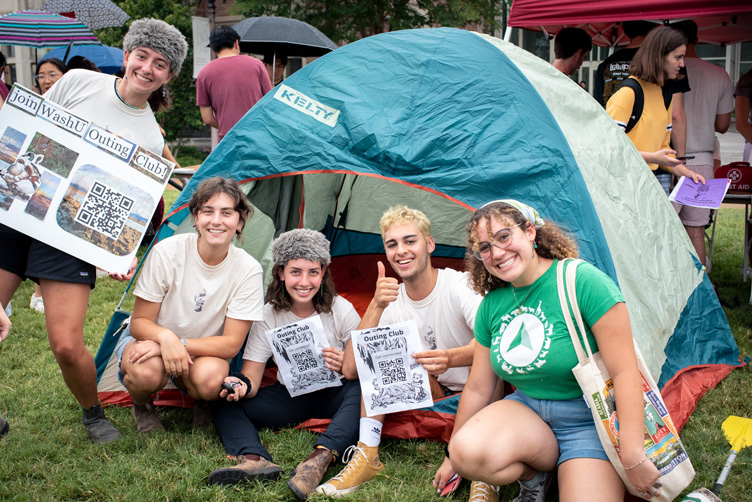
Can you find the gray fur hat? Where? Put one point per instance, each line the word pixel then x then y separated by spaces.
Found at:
pixel 301 243
pixel 160 37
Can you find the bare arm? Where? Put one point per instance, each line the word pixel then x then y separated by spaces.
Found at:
pixel 722 122
pixel 614 336
pixel 438 361
pixel 4 323
pixel 678 125
pixel 742 118
pixel 207 115
pixel 387 289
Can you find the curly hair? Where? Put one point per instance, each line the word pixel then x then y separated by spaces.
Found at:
pixel 553 243
pixel 277 294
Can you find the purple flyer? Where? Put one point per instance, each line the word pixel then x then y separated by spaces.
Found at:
pixel 710 195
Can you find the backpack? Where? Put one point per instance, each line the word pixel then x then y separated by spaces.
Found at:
pixel 639 100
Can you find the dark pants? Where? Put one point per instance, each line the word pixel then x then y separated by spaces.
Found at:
pixel 273 408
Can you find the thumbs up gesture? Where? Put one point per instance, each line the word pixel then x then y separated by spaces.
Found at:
pixel 387 288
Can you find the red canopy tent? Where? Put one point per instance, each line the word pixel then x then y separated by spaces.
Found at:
pixel 719 22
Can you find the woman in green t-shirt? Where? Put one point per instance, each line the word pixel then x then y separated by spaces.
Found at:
pixel 545 424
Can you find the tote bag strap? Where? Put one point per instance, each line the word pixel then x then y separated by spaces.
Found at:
pixel 572 294
pixel 567 291
pixel 581 355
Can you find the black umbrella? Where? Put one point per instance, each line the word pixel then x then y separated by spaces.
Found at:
pixel 268 35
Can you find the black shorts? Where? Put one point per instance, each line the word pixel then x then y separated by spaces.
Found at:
pixel 30 259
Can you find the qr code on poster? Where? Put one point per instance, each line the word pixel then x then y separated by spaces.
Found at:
pixel 304 360
pixel 392 371
pixel 105 210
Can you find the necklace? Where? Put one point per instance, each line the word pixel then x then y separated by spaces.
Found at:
pixel 519 305
pixel 123 101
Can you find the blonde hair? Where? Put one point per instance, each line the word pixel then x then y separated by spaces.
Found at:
pixel 403 214
pixel 553 243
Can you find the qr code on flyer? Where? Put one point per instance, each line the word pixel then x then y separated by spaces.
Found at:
pixel 105 210
pixel 304 360
pixel 392 371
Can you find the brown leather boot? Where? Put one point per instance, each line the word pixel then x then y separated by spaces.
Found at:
pixel 249 468
pixel 308 474
pixel 146 417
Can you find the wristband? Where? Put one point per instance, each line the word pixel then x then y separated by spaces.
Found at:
pixel 446 450
pixel 241 376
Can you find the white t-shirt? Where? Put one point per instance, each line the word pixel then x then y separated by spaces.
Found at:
pixel 91 96
pixel 197 297
pixel 337 326
pixel 445 318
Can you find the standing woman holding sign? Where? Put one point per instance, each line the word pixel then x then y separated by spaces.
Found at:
pixel 301 287
pixel 154 52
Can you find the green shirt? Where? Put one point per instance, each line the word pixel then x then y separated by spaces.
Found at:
pixel 530 343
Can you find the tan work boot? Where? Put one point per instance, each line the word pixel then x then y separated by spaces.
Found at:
pixel 364 464
pixel 146 417
pixel 483 492
pixel 307 475
pixel 249 468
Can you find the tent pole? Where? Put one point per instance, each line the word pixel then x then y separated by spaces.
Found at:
pixel 508 34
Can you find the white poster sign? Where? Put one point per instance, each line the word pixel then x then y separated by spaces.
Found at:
pixel 74 185
pixel 201 50
pixel 390 378
pixel 298 350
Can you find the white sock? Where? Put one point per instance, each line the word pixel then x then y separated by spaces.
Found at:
pixel 370 431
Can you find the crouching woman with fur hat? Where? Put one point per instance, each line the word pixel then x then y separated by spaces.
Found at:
pixel 301 287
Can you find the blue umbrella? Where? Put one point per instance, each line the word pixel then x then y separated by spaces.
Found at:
pixel 108 59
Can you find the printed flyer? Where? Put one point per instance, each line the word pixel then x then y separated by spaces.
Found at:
pixel 298 351
pixel 390 379
pixel 74 185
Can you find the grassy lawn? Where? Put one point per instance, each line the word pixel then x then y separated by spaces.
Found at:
pixel 47 455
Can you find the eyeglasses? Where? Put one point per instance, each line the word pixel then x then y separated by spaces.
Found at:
pixel 501 239
pixel 47 76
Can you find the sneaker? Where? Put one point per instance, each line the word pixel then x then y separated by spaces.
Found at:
pixel 483 492
pixel 249 468
pixel 201 414
pixel 4 427
pixel 146 417
pixel 363 465
pixel 537 492
pixel 37 303
pixel 307 475
pixel 99 429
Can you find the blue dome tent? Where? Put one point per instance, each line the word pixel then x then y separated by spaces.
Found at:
pixel 445 120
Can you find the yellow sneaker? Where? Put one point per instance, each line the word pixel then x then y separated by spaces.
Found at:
pixel 483 492
pixel 362 466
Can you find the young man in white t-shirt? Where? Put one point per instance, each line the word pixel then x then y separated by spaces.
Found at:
pixel 443 305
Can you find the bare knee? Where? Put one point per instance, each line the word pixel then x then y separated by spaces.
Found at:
pixel 467 454
pixel 68 351
pixel 142 378
pixel 205 380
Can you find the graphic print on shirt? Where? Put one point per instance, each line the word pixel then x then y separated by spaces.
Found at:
pixel 199 301
pixel 523 341
pixel 430 338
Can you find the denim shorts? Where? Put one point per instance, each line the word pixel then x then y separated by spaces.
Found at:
pixel 572 424
pixel 125 338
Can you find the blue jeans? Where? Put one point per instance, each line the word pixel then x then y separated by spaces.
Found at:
pixel 571 422
pixel 238 422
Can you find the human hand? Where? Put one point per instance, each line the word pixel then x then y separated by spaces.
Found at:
pixel 128 275
pixel 664 158
pixel 175 355
pixel 435 362
pixel 333 358
pixel 687 173
pixel 446 480
pixel 387 288
pixel 143 350
pixel 4 324
pixel 645 477
pixel 241 389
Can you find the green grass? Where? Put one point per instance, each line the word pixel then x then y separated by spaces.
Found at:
pixel 47 456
